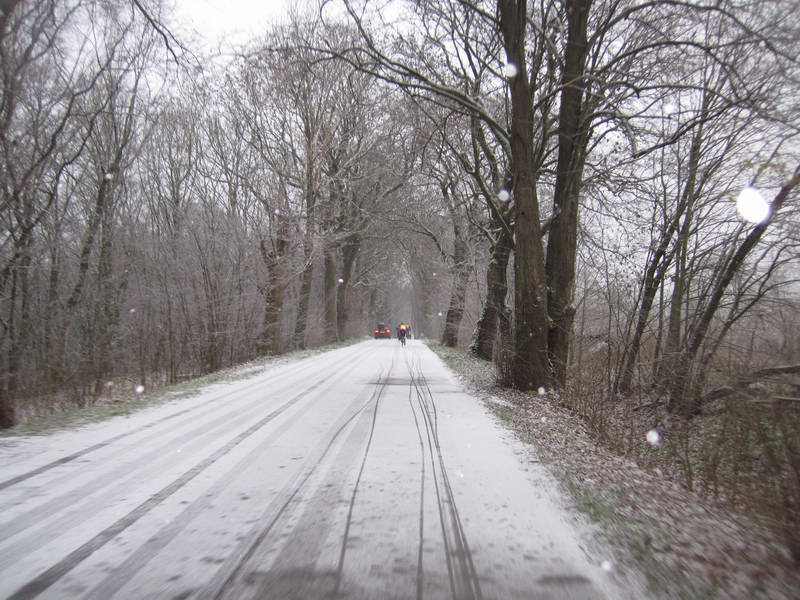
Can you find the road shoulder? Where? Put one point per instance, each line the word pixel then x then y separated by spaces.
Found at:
pixel 683 546
pixel 531 539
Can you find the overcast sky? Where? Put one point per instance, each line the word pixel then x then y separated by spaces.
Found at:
pixel 226 22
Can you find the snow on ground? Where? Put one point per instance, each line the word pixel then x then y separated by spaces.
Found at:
pixel 683 546
pixel 366 472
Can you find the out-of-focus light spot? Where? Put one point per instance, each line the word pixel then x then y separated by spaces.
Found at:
pixel 139 389
pixel 440 314
pixel 510 70
pixel 606 566
pixel 108 176
pixel 503 195
pixel 541 391
pixel 653 438
pixel 341 280
pixel 133 310
pixel 751 205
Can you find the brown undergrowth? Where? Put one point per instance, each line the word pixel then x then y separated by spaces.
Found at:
pixel 43 415
pixel 686 543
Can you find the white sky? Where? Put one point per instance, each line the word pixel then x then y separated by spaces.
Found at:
pixel 224 23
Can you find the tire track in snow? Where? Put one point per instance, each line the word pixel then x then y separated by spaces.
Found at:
pixel 194 438
pixel 46 579
pixel 420 555
pixel 340 566
pixel 276 514
pixel 463 575
pixel 440 508
pixel 71 457
pixel 124 572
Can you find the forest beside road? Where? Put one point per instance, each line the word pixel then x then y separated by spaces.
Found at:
pixel 598 200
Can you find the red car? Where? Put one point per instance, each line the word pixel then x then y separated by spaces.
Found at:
pixel 382 331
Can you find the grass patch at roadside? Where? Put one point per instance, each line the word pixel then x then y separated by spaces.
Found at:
pixel 122 400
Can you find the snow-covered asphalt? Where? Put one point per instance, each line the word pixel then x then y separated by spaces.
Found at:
pixel 365 472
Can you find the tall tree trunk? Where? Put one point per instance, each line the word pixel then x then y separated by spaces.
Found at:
pixel 562 238
pixel 8 388
pixel 421 283
pixel 301 322
pixel 503 351
pixel 657 350
pixel 106 316
pixel 576 359
pixel 8 416
pixel 661 259
pixel 672 344
pixel 172 367
pixel 210 322
pixel 350 250
pixel 329 294
pixel 653 280
pixel 18 331
pixel 53 356
pixel 272 318
pixel 531 367
pixel 273 259
pixel 494 308
pixel 460 274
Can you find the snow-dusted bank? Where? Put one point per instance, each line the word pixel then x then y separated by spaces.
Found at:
pixel 365 472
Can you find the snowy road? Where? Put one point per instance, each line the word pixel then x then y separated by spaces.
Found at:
pixel 366 472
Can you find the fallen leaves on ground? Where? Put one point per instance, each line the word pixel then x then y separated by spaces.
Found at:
pixel 684 545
